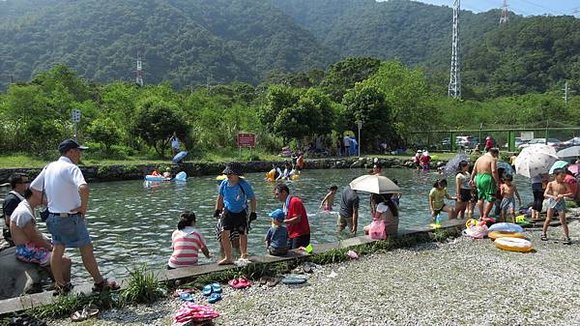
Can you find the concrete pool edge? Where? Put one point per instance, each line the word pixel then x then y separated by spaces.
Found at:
pixel 35 300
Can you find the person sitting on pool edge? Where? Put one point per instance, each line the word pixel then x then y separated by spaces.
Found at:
pixel 186 242
pixel 277 236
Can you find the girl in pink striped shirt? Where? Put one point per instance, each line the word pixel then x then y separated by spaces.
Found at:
pixel 186 242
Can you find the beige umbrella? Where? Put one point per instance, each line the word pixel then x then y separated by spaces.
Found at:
pixel 535 159
pixel 374 184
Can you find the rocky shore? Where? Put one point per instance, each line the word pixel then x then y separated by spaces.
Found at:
pixel 461 282
pixel 137 172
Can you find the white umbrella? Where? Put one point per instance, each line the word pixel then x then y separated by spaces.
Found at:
pixel 374 184
pixel 570 152
pixel 535 159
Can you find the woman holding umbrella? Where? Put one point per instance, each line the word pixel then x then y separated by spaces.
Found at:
pixel 386 210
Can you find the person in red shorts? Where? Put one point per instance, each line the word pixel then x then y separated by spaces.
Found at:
pixel 296 218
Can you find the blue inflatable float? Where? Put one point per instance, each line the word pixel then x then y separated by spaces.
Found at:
pixel 179 157
pixel 506 227
pixel 158 178
pixel 181 176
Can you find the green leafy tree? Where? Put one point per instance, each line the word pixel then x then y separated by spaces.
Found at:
pixel 155 121
pixel 343 75
pixel 105 131
pixel 367 104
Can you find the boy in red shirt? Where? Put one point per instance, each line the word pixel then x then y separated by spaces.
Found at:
pixel 296 218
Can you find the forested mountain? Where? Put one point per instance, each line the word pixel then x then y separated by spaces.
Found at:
pixel 191 42
pixel 184 42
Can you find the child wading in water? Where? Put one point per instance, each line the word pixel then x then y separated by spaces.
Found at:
pixel 508 203
pixel 186 242
pixel 437 197
pixel 328 200
pixel 555 193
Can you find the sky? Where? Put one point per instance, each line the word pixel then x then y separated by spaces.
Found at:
pixel 520 7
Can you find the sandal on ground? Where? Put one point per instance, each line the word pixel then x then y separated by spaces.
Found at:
pixel 105 285
pixel 88 311
pixel 544 237
pixel 567 241
pixel 214 297
pixel 273 281
pixel 62 289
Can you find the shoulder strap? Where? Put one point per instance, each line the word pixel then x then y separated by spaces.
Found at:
pixel 241 187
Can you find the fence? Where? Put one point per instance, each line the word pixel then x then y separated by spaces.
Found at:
pixel 505 139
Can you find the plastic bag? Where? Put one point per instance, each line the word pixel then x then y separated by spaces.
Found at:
pixel 377 230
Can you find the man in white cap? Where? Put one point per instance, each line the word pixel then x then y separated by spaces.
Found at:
pixel 67 196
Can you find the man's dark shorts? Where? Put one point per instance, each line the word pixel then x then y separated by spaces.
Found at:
pixel 301 241
pixel 235 221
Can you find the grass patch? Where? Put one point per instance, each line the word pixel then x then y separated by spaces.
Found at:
pixel 143 288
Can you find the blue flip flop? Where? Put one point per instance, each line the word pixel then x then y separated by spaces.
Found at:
pixel 293 279
pixel 216 288
pixel 186 297
pixel 207 290
pixel 214 297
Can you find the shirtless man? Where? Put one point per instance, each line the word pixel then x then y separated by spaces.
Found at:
pixel 485 178
pixel 555 193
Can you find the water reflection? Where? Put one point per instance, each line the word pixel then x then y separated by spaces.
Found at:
pixel 130 224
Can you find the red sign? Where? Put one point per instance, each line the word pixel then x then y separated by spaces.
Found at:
pixel 246 140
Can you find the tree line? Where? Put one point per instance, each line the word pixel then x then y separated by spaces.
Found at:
pixel 120 119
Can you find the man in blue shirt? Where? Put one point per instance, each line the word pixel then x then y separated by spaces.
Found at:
pixel 232 208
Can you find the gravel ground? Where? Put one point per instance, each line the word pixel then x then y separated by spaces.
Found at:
pixel 462 282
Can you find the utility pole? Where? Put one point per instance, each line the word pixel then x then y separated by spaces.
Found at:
pixel 139 72
pixel 504 13
pixel 454 89
pixel 566 92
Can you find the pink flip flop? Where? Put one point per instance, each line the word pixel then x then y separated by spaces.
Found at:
pixel 239 283
pixel 192 312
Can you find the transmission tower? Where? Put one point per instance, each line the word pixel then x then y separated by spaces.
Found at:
pixel 504 13
pixel 454 89
pixel 139 72
pixel 566 93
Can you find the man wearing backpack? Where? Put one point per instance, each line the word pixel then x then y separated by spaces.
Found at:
pixel 232 207
pixel 19 183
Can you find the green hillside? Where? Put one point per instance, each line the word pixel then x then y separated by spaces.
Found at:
pixel 184 42
pixel 193 42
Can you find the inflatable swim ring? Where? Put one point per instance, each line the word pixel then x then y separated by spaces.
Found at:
pixel 158 178
pixel 295 177
pixel 513 244
pixel 181 176
pixel 500 234
pixel 506 227
pixel 221 178
pixel 271 175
